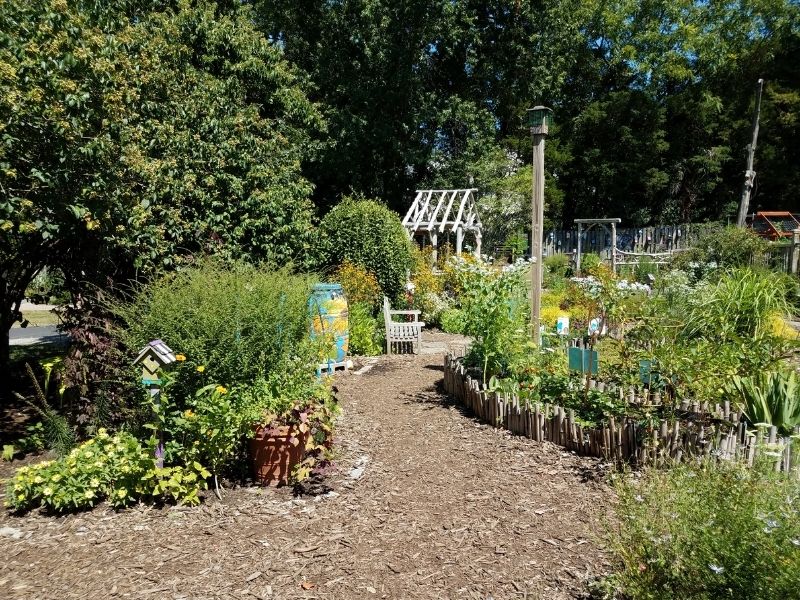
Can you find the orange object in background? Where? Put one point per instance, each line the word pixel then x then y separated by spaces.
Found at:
pixel 774 225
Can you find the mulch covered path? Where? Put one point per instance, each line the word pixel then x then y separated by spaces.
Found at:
pixel 426 503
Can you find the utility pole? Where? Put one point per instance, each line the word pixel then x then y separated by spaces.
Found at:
pixel 539 119
pixel 750 174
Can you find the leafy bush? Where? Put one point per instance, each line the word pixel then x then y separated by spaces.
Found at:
pixel 56 431
pixel 117 468
pixel 495 310
pixel 368 234
pixel 741 303
pixel 707 532
pixel 557 264
pixel 591 264
pixel 646 270
pixel 359 285
pixel 365 331
pixel 240 323
pixel 725 247
pixel 427 288
pixel 452 320
pixel 772 398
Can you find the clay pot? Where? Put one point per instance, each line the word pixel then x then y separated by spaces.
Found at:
pixel 275 453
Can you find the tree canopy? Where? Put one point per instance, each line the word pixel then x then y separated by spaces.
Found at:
pixel 137 135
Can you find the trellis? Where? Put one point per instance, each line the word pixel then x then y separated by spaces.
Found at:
pixel 440 211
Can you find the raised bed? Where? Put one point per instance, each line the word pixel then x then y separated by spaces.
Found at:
pixel 630 440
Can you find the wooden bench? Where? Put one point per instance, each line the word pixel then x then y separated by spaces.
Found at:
pixel 402 332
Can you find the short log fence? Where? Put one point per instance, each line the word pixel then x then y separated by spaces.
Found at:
pixel 701 431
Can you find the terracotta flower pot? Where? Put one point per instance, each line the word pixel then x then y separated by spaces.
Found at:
pixel 276 450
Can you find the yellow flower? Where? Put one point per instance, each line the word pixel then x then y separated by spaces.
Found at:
pixel 89 494
pixel 56 478
pixel 188 413
pixel 222 389
pixel 201 368
pixel 38 479
pixel 180 357
pixel 122 493
pixel 47 491
pixel 21 497
pixel 95 482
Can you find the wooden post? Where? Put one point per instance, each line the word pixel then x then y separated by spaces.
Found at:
pixel 478 244
pixel 750 174
pixel 614 248
pixel 459 240
pixel 435 245
pixel 578 253
pixel 537 232
pixel 795 251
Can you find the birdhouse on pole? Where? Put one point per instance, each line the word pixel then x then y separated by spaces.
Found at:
pixel 154 357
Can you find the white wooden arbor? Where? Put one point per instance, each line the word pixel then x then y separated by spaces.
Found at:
pixel 439 211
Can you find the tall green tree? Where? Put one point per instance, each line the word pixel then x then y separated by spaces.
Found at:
pixel 135 139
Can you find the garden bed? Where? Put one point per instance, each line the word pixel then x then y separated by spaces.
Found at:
pixel 702 430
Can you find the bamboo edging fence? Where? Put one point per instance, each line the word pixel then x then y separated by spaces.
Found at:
pixel 628 440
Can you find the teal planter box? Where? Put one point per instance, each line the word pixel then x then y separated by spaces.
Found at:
pixel 583 360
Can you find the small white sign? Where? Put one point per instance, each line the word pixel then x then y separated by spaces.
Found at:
pixel 594 327
pixel 562 326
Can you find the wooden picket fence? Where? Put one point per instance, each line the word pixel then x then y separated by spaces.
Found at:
pixel 700 430
pixel 665 238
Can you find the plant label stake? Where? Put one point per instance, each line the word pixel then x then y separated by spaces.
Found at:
pixel 562 326
pixel 154 357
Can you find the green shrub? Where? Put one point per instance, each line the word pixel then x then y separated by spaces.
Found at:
pixel 706 532
pixel 117 468
pixel 646 270
pixel 556 269
pixel 495 311
pixel 360 286
pixel 741 303
pixel 365 331
pixel 367 233
pixel 590 263
pixel 452 320
pixel 239 323
pixel 557 264
pixel 724 247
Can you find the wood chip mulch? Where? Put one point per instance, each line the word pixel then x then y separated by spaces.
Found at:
pixel 426 503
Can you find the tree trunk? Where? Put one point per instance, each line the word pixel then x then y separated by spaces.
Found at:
pixel 5 366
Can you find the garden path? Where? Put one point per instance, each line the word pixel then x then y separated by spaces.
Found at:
pixel 426 503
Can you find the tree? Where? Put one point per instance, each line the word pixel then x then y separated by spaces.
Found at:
pixel 135 139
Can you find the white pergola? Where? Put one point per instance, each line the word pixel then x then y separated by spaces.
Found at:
pixel 439 211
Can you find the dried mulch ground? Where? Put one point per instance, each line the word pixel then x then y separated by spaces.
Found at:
pixel 426 503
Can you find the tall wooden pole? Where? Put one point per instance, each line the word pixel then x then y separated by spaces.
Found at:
pixel 537 229
pixel 750 174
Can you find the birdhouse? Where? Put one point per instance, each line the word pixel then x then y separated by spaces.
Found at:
pixel 540 118
pixel 156 355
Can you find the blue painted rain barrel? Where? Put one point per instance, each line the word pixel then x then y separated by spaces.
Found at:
pixel 329 313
